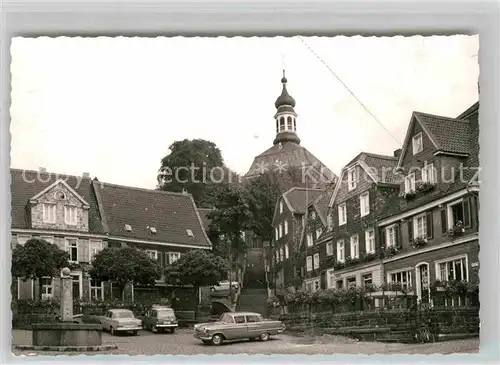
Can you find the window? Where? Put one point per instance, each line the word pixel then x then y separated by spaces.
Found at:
pixel 70 215
pixel 281 206
pixel 316 285
pixel 96 289
pixel 281 254
pixel 286 251
pixel 370 241
pixel 354 246
pixel 351 178
pixel 459 214
pixel 329 222
pixel 316 261
pixel 318 232
pixel 281 230
pixel 401 277
pixel 367 279
pixel 95 247
pixel 49 213
pixel 253 319
pixel 331 278
pixel 309 239
pixel 47 286
pixel 276 234
pixel 23 239
pixel 417 143
pixel 72 249
pixel 429 174
pixel 309 264
pixel 173 257
pixel 239 319
pixel 452 269
pixel 286 227
pixel 351 282
pixel 364 204
pixel 410 183
pixel 342 214
pixel 289 123
pixel 153 254
pixel 340 251
pixel 49 239
pixel 313 215
pixel 420 226
pixel 309 287
pixel 329 249
pixel 340 284
pixel 282 124
pixel 390 236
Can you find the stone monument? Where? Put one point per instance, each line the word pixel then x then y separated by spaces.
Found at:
pixel 67 334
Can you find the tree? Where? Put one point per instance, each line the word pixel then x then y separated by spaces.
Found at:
pixel 197 268
pixel 36 259
pixel 230 218
pixel 196 166
pixel 124 265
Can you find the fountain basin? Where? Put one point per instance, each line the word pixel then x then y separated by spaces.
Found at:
pixel 67 334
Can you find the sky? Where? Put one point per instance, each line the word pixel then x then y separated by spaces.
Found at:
pixel 113 106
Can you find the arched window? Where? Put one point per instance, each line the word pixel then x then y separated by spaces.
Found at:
pixel 282 124
pixel 294 124
pixel 289 123
pixel 277 126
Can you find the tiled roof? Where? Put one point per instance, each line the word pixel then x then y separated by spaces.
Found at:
pixel 291 154
pixel 449 134
pixel 322 201
pixel 382 167
pixel 25 184
pixel 171 214
pixel 297 198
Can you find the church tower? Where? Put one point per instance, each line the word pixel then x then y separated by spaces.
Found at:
pixel 286 118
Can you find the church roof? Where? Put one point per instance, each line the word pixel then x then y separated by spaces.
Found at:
pixel 287 155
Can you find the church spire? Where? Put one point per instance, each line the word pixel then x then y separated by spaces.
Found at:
pixel 286 118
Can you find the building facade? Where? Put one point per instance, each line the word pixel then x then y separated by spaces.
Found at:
pixel 83 216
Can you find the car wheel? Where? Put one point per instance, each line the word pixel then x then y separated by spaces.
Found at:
pixel 264 336
pixel 112 331
pixel 172 330
pixel 217 340
pixel 136 333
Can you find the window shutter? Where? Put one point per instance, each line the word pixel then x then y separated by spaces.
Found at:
pixel 382 233
pixel 430 227
pixel 397 235
pixel 466 208
pixel 166 262
pixel 444 223
pixel 410 229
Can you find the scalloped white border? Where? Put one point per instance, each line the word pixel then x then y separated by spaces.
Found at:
pixel 92 18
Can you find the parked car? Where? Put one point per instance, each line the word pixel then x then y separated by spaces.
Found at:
pixel 120 320
pixel 224 285
pixel 237 325
pixel 160 319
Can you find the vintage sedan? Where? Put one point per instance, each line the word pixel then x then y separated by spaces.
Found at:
pixel 160 319
pixel 120 320
pixel 236 326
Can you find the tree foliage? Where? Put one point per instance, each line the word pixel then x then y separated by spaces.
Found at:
pixel 197 268
pixel 36 259
pixel 196 166
pixel 125 265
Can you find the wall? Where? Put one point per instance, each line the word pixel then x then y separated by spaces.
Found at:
pixel 375 269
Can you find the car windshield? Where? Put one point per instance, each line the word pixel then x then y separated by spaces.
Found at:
pixel 124 314
pixel 165 313
pixel 226 318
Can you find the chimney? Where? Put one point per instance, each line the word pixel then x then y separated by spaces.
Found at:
pixel 86 175
pixel 184 192
pixel 397 153
pixel 42 170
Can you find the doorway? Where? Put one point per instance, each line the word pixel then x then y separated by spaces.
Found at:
pixel 423 287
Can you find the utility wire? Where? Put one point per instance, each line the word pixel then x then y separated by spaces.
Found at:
pixel 347 88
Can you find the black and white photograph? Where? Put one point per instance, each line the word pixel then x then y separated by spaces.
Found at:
pixel 245 195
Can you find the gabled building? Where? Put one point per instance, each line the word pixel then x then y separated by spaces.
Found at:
pixel 288 222
pixel 434 235
pixel 82 216
pixel 348 251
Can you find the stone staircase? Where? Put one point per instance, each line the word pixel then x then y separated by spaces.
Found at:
pixel 253 300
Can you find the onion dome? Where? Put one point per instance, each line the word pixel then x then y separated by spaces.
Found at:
pixel 284 98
